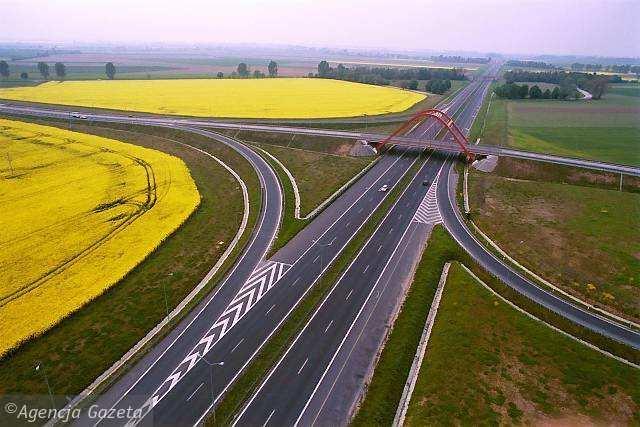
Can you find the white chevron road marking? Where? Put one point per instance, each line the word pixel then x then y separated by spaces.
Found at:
pixel 259 283
pixel 428 211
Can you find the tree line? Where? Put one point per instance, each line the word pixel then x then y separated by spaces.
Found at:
pixel 596 84
pixel 530 64
pixel 516 91
pixel 384 75
pixel 59 69
pixel 622 69
pixel 460 59
pixel 243 71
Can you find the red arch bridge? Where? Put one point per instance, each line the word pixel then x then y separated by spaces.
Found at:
pixel 454 140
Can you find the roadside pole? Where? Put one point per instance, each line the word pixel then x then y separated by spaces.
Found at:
pixel 46 380
pixel 620 181
pixel 213 393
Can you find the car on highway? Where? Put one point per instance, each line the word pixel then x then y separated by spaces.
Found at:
pixel 384 188
pixel 79 116
pixel 426 182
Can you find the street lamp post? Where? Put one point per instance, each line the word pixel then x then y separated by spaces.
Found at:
pixel 213 393
pixel 46 380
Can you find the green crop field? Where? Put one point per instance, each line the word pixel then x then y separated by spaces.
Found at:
pixel 489 364
pixel 606 129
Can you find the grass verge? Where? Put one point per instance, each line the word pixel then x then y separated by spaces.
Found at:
pixel 246 384
pixel 575 225
pixel 385 389
pixel 289 225
pixel 317 175
pixel 84 345
pixel 487 363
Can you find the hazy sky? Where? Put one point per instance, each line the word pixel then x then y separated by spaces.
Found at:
pixel 598 27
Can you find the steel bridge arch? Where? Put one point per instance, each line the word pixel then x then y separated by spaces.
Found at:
pixel 440 116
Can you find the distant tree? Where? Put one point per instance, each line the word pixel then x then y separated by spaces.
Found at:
pixel 243 70
pixel 413 85
pixel 524 91
pixel 323 69
pixel 273 69
pixel 555 94
pixel 546 94
pixel 110 70
pixel 61 70
pixel 258 74
pixel 220 74
pixel 4 69
pixel 43 68
pixel 598 87
pixel 535 92
pixel 342 71
pixel 438 86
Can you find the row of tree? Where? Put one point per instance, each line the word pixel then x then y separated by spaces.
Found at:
pixel 596 84
pixel 460 59
pixel 384 75
pixel 439 86
pixel 516 91
pixel 243 71
pixel 45 71
pixel 530 64
pixel 623 69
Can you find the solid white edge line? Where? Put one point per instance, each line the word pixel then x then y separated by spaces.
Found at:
pixel 254 236
pixel 326 297
pixel 305 292
pixel 153 332
pixel 373 288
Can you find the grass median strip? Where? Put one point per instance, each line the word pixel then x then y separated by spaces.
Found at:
pixel 84 345
pixel 247 383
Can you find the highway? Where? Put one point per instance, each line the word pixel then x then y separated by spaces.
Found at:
pixel 304 259
pixel 177 345
pixel 296 389
pixel 233 329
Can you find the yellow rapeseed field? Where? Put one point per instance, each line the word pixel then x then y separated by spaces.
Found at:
pixel 245 98
pixel 78 213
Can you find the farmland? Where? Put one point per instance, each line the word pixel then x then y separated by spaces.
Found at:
pixel 240 98
pixel 79 213
pixel 606 129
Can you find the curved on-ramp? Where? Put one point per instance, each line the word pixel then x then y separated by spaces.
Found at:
pixel 457 227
